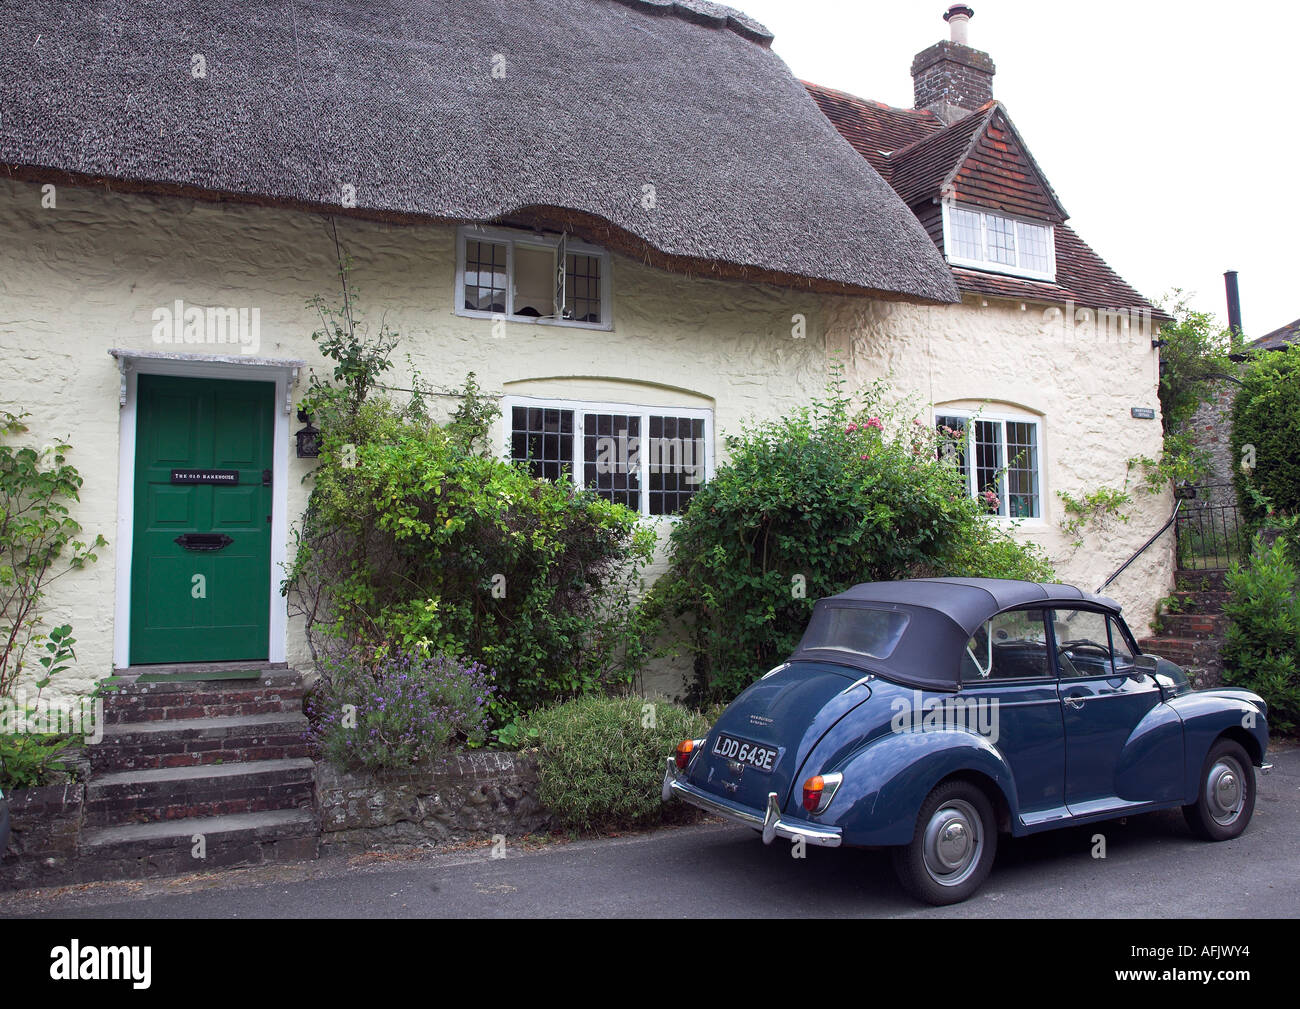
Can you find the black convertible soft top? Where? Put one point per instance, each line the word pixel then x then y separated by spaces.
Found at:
pixel 941 615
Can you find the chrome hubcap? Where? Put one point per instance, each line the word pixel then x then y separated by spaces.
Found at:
pixel 953 842
pixel 1225 790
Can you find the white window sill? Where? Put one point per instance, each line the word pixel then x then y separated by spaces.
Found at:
pixel 527 320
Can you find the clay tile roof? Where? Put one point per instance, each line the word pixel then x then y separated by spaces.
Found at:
pixel 921 169
pixel 594 101
pixel 979 159
pixel 875 130
pixel 1279 339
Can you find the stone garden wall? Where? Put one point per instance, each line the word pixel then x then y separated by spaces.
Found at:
pixel 45 824
pixel 476 795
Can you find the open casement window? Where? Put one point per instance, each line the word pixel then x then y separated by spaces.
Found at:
pixel 986 241
pixel 649 459
pixel 502 273
pixel 998 458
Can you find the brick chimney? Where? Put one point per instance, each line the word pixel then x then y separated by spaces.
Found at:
pixel 950 78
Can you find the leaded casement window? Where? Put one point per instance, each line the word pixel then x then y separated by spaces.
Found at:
pixel 504 274
pixel 652 460
pixel 987 241
pixel 999 458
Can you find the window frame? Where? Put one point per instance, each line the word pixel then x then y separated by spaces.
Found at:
pixel 511 238
pixel 969 417
pixel 990 264
pixel 643 411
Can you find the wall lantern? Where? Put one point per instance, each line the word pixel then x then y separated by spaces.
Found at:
pixel 308 437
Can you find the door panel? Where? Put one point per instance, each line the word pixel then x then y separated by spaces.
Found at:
pixel 1104 710
pixel 189 605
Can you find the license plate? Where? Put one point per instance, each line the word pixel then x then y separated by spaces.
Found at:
pixel 755 755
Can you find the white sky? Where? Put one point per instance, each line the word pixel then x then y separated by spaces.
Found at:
pixel 1169 130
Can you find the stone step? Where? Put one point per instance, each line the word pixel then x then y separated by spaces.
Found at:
pixel 1207 579
pixel 174 793
pixel 281 691
pixel 184 742
pixel 1182 651
pixel 1193 625
pixel 1209 601
pixel 171 847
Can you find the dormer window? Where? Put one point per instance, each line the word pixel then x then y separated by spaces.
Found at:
pixel 983 240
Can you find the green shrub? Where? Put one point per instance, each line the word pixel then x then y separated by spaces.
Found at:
pixel 1261 649
pixel 38 540
pixel 602 758
pixel 415 538
pixel 1265 426
pixel 806 507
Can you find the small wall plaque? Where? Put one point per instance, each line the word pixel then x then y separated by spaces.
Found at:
pixel 1143 412
pixel 226 477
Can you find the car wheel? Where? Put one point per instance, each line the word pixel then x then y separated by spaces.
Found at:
pixel 953 847
pixel 1226 801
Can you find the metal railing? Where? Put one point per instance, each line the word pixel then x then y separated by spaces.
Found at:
pixel 1173 517
pixel 1210 532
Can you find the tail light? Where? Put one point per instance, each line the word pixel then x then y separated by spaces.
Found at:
pixel 685 749
pixel 818 791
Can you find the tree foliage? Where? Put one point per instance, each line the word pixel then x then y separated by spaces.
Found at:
pixel 1266 435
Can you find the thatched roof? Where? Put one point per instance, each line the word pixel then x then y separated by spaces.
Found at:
pixel 593 100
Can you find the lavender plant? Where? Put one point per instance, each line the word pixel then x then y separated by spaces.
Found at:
pixel 398 711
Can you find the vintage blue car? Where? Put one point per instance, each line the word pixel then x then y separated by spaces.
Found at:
pixel 930 715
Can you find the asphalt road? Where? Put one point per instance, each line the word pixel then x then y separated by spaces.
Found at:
pixel 1154 869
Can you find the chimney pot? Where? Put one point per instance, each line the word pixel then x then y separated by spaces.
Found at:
pixel 958 17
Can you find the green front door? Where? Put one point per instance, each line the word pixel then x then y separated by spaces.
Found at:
pixel 201 557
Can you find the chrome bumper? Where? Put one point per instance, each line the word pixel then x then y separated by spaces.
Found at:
pixel 770 824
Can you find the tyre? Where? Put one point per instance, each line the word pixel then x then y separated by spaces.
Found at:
pixel 1226 800
pixel 953 847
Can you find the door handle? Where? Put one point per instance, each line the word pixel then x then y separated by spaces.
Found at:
pixel 203 541
pixel 1074 701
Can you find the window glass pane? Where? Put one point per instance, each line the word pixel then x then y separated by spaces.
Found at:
pixel 1011 646
pixel 872 633
pixel 582 287
pixel 1119 648
pixel 675 462
pixel 1022 470
pixel 1001 236
pixel 967 241
pixel 485 276
pixel 1082 644
pixel 543 438
pixel 952 441
pixel 611 463
pixel 534 295
pixel 988 463
pixel 1034 253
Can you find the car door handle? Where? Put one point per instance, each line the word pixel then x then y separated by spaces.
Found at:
pixel 1074 701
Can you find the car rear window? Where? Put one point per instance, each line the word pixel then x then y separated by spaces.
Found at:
pixel 874 633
